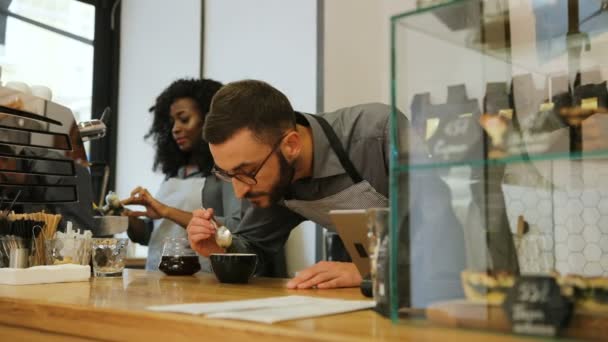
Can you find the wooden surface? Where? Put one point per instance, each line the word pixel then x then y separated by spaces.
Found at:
pixel 464 314
pixel 114 309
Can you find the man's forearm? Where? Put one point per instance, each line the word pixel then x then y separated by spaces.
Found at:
pixel 240 246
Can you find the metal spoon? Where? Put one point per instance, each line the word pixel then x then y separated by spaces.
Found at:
pixel 223 236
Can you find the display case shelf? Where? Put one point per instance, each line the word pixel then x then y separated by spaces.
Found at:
pixel 516 159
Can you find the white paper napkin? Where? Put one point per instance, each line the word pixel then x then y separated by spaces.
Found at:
pixel 45 274
pixel 269 310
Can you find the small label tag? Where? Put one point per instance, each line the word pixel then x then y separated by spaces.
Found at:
pixel 589 103
pixel 454 138
pixel 535 306
pixel 431 127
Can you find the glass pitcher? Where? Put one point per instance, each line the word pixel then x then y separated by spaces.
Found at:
pixel 177 258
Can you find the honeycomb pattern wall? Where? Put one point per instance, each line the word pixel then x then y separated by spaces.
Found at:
pixel 566 206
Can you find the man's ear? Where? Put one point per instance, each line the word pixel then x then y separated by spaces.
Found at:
pixel 292 145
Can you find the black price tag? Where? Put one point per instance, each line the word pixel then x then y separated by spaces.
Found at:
pixel 455 138
pixel 536 306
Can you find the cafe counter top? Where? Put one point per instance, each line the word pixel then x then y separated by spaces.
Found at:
pixel 113 309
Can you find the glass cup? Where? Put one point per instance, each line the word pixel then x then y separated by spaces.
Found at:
pixel 109 256
pixel 13 252
pixel 378 246
pixel 178 258
pixel 68 251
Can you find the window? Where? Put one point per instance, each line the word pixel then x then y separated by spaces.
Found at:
pixel 50 43
pixel 72 47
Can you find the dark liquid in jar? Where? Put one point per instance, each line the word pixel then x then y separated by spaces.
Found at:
pixel 179 265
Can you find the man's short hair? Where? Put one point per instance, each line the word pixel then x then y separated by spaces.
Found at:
pixel 248 104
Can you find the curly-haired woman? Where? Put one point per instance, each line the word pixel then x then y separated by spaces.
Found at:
pixel 184 158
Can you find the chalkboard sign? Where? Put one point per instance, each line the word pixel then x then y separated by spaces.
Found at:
pixel 535 306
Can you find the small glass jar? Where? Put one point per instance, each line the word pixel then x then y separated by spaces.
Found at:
pixel 378 245
pixel 177 258
pixel 68 251
pixel 14 252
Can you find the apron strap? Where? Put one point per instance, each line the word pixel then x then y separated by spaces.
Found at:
pixel 336 145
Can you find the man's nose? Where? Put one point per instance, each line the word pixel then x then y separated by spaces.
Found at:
pixel 240 188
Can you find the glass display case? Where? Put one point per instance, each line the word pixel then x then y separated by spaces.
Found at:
pixel 499 174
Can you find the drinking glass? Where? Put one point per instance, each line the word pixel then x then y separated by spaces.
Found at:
pixel 109 256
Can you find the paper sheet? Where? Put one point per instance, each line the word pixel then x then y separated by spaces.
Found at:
pixel 269 310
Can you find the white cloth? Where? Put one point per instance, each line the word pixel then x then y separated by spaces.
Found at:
pixel 183 194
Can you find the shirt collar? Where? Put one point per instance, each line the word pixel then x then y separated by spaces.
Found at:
pixel 325 162
pixel 181 173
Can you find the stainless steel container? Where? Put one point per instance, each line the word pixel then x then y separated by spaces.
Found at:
pixel 18 258
pixel 110 225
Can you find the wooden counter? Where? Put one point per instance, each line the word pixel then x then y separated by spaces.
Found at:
pixel 113 309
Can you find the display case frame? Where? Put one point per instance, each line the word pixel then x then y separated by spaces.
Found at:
pixel 523 86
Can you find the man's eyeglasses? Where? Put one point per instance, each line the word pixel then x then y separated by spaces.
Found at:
pixel 247 178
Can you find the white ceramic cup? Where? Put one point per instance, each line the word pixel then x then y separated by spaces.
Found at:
pixel 42 92
pixel 19 86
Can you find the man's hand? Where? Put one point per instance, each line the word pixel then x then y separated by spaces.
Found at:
pixel 201 233
pixel 327 275
pixel 141 196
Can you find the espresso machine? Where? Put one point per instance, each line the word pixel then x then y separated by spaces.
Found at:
pixel 43 162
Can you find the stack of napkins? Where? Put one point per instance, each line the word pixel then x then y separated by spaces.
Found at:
pixel 269 310
pixel 45 274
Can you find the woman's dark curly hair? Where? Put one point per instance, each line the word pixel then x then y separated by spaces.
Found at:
pixel 169 158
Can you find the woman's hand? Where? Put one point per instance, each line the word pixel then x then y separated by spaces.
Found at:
pixel 141 196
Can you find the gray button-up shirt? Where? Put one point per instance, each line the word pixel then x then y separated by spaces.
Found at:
pixel 431 242
pixel 363 131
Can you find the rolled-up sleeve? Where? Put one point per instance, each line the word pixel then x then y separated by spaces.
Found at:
pixel 232 208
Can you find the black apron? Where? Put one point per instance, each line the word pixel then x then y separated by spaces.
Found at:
pixel 360 195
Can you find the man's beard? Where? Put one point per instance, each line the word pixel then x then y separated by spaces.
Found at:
pixel 286 172
pixel 278 190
